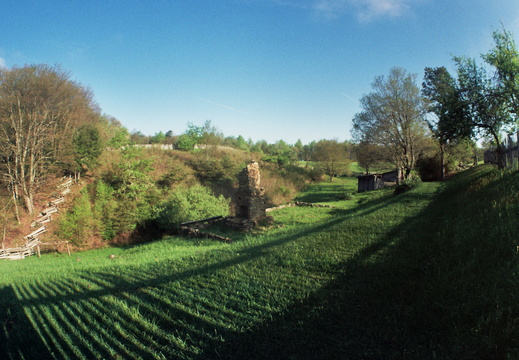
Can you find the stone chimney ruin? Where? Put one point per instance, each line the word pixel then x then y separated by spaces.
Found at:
pixel 250 204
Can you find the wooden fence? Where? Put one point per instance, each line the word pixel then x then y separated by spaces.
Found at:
pixel 33 240
pixel 510 153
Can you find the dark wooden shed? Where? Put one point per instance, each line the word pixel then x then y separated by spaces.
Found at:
pixel 370 182
pixel 377 181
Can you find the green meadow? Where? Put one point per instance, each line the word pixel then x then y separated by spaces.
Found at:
pixel 428 274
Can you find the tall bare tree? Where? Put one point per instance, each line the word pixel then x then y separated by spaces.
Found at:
pixel 393 118
pixel 40 108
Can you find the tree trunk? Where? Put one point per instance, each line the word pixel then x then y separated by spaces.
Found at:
pixel 16 212
pixel 500 154
pixel 442 160
pixel 29 204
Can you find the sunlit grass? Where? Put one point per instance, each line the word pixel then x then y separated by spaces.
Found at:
pixel 419 275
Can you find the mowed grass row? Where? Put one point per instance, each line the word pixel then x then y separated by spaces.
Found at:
pixel 419 275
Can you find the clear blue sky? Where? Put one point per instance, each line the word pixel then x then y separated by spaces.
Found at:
pixel 263 69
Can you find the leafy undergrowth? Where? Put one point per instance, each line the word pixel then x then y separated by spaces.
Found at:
pixel 429 274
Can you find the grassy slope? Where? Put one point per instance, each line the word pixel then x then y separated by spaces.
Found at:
pixel 428 274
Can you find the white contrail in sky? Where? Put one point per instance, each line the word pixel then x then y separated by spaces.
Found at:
pixel 223 106
pixel 349 97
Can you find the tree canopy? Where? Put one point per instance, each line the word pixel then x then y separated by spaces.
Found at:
pixel 393 118
pixel 40 109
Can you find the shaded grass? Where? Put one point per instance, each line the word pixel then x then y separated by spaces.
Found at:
pixel 428 274
pixel 329 192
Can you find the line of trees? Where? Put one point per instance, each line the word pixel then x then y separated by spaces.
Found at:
pixel 50 126
pixel 399 118
pixel 50 123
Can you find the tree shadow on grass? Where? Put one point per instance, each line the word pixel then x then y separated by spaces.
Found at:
pixel 385 302
pixel 97 314
pixel 18 338
pixel 415 294
pixel 326 192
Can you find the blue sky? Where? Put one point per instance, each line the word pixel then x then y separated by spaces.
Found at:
pixel 263 69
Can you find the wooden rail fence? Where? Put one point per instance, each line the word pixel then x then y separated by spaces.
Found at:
pixel 33 241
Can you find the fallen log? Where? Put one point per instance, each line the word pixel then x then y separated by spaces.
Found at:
pixel 211 219
pixel 196 233
pixel 297 203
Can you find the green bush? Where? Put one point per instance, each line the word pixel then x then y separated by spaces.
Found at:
pixel 347 195
pixel 188 204
pixel 77 225
pixel 407 185
pixel 105 210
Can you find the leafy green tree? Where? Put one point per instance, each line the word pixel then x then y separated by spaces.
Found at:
pixel 40 109
pixel 299 149
pixel 504 57
pixel 280 153
pixel 487 112
pixel 105 206
pixel 185 143
pixel 308 151
pixel 369 155
pixel 170 138
pixel 120 138
pixel 241 144
pixel 188 204
pixel 450 123
pixel 77 225
pixel 332 157
pixel 136 194
pixel 259 147
pixel 112 132
pixel 158 138
pixel 210 135
pixel 88 146
pixel 194 136
pixel 393 118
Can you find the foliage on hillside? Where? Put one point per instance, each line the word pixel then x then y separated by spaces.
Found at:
pixel 186 204
pixel 135 191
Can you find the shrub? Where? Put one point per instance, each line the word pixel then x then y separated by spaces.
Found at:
pixel 105 210
pixel 77 225
pixel 345 196
pixel 407 185
pixel 187 204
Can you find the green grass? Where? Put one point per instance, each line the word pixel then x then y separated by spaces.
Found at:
pixel 429 274
pixel 357 169
pixel 329 192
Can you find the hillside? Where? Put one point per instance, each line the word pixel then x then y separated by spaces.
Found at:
pixel 429 274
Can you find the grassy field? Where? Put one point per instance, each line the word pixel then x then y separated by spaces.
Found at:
pixel 429 274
